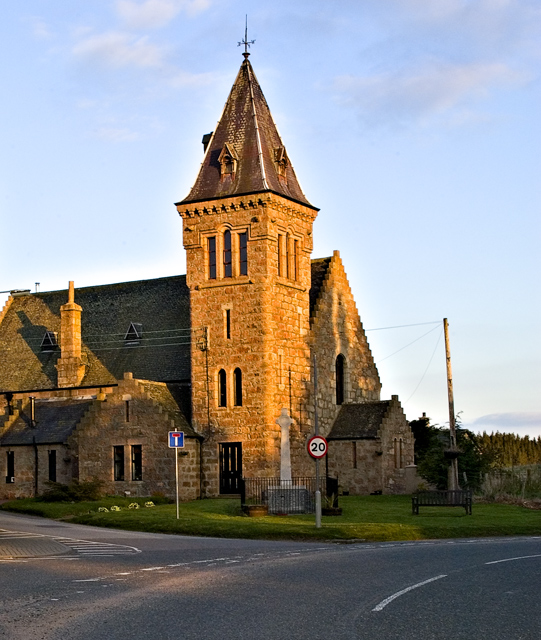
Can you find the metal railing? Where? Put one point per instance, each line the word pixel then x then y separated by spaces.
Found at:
pixel 287 496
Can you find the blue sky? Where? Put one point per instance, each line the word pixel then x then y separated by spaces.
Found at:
pixel 413 125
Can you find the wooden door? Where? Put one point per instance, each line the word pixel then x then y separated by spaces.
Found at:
pixel 230 467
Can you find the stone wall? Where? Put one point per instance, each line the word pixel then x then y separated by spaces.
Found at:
pixel 132 413
pixel 397 445
pixel 25 466
pixel 146 424
pixel 336 329
pixel 357 465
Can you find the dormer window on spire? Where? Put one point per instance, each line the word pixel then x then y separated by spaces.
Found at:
pixel 281 162
pixel 228 160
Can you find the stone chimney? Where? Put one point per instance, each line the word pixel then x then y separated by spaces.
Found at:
pixel 70 366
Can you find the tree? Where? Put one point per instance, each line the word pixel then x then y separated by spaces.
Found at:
pixel 431 443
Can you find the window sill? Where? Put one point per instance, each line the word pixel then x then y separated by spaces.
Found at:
pixel 291 284
pixel 224 282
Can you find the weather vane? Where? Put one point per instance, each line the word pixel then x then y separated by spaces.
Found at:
pixel 246 42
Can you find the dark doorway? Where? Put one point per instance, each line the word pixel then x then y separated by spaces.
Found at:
pixel 230 467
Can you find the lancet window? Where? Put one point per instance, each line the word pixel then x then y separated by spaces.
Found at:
pixel 222 388
pixel 237 379
pixel 340 378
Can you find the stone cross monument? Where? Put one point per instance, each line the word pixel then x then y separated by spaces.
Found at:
pixel 284 421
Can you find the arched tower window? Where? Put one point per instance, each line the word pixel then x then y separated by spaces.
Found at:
pixel 211 248
pixel 228 273
pixel 287 254
pixel 222 388
pixel 340 378
pixel 237 379
pixel 243 253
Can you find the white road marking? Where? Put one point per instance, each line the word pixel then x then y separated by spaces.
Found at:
pixel 89 580
pixel 385 602
pixel 511 559
pixel 82 547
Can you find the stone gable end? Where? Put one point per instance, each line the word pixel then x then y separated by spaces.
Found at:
pixel 337 329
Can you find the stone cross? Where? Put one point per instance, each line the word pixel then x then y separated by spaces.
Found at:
pixel 284 421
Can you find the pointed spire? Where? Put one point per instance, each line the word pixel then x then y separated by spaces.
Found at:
pixel 245 153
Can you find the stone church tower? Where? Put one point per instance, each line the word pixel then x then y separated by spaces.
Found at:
pixel 248 238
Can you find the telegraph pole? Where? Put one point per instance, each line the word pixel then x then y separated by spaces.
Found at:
pixel 453 467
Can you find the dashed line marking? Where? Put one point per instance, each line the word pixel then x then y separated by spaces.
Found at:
pixel 89 580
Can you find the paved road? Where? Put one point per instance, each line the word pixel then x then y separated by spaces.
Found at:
pixel 115 584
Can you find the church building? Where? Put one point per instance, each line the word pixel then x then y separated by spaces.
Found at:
pixel 93 379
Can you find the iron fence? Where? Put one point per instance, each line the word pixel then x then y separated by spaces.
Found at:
pixel 287 496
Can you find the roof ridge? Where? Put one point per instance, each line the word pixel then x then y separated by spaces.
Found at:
pixel 257 133
pixel 39 294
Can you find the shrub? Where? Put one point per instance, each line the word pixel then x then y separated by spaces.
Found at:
pixel 56 492
pixel 82 491
pixel 75 491
pixel 160 498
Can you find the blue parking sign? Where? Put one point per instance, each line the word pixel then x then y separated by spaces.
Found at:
pixel 176 439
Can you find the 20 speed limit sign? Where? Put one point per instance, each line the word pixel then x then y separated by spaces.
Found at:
pixel 317 447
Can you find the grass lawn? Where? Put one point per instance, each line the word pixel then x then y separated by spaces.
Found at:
pixel 366 518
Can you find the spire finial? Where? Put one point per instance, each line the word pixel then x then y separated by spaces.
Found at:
pixel 246 42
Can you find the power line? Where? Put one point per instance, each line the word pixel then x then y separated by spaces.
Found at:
pixel 93 335
pixel 141 346
pixel 427 367
pixel 401 326
pixel 407 345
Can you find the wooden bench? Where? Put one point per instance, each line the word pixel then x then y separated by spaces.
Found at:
pixel 441 499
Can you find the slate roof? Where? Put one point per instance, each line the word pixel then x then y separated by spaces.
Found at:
pixel 247 127
pixel 167 396
pixel 320 267
pixel 161 306
pixel 359 421
pixel 55 421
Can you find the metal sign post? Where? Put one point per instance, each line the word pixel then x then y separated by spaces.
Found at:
pixel 176 478
pixel 316 433
pixel 176 442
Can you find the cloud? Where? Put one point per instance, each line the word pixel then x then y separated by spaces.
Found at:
pixel 152 14
pixel 118 49
pixel 41 29
pixel 436 89
pixel 117 134
pixel 508 421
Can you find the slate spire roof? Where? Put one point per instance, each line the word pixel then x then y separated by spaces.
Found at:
pixel 245 153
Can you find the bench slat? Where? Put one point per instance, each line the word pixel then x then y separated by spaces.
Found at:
pixel 459 498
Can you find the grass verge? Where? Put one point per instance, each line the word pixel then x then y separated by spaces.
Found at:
pixel 366 518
